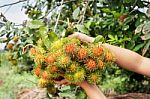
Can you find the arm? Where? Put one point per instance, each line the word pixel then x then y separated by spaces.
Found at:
pixel 130 60
pixel 125 58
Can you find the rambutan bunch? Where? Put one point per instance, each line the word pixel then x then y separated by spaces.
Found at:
pixel 73 60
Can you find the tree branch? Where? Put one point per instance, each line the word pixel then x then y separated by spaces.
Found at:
pixel 12 3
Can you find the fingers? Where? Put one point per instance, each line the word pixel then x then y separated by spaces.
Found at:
pixel 62 82
pixel 82 37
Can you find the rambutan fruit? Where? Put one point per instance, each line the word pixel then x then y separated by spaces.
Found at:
pixel 82 53
pixel 108 57
pixel 53 69
pixel 63 61
pixel 94 78
pixel 73 67
pixel 42 83
pixel 97 51
pixel 91 64
pixel 69 77
pixel 45 75
pixel 79 76
pixel 70 48
pixel 50 59
pixel 37 71
pixel 100 64
pixel 56 45
pixel 39 58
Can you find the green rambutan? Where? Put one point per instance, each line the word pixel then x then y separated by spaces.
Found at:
pixel 79 76
pixel 94 78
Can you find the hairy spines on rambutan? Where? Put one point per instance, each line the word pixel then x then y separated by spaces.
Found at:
pixel 70 48
pixel 63 61
pixel 53 69
pixel 73 67
pixel 97 51
pixel 50 59
pixel 82 53
pixel 43 83
pixel 91 64
pixel 69 77
pixel 45 75
pixel 94 78
pixel 100 64
pixel 39 58
pixel 79 76
pixel 37 71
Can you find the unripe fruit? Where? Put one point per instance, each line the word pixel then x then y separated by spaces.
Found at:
pixel 109 56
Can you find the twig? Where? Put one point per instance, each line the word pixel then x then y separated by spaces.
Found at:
pixel 58 15
pixel 82 17
pixel 12 3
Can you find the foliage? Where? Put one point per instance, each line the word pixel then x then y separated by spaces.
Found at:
pixel 110 21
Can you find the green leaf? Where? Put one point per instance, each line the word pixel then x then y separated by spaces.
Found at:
pixel 76 13
pixel 52 36
pixel 146 28
pixel 82 29
pixel 35 24
pixel 99 38
pixel 111 37
pixel 138 47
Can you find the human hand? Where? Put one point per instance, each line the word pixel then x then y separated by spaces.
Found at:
pixel 82 37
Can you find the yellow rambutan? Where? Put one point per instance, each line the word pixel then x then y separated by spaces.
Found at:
pixel 82 53
pixel 79 76
pixel 39 58
pixel 100 64
pixel 91 64
pixel 63 61
pixel 73 67
pixel 42 83
pixel 109 56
